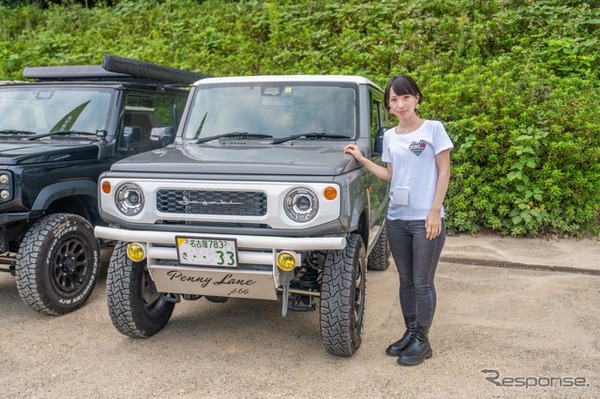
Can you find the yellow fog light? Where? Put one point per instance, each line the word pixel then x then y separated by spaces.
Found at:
pixel 136 252
pixel 286 261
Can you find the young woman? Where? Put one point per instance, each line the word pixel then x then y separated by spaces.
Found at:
pixel 417 157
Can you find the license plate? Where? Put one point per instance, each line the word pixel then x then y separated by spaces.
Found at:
pixel 207 252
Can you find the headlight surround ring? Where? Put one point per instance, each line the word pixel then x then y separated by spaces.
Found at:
pixel 301 204
pixel 129 199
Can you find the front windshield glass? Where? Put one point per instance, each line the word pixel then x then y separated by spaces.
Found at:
pixel 40 110
pixel 274 109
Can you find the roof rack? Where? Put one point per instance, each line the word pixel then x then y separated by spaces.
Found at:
pixel 116 69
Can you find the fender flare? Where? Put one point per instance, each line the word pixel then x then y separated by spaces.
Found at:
pixel 356 202
pixel 63 189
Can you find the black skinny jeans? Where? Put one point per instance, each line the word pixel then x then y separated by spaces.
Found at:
pixel 416 259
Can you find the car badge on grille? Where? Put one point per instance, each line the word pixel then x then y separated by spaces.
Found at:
pixel 186 201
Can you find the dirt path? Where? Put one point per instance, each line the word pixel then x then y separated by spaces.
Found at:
pixel 524 327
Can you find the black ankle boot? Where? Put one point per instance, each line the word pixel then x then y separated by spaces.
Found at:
pixel 397 347
pixel 418 350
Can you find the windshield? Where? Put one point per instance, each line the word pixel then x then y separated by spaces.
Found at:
pixel 40 110
pixel 279 110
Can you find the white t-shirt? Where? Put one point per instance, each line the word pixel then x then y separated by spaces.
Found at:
pixel 412 156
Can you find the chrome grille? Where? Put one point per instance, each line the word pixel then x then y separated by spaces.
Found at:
pixel 235 203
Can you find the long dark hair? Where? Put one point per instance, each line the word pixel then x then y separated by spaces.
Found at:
pixel 402 84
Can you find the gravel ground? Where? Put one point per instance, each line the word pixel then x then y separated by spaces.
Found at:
pixel 533 328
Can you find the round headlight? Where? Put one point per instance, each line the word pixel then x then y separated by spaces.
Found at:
pixel 129 199
pixel 4 179
pixel 301 205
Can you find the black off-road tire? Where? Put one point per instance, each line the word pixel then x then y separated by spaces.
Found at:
pixel 343 298
pixel 135 307
pixel 58 264
pixel 379 258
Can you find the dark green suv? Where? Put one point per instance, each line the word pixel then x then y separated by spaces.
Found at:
pixel 58 133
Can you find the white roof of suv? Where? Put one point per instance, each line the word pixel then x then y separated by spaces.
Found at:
pixel 287 78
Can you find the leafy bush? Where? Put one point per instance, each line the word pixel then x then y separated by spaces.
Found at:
pixel 514 81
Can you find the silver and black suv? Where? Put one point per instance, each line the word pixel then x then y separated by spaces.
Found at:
pixel 254 199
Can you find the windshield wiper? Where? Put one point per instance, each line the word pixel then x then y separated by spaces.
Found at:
pixel 62 133
pixel 16 132
pixel 310 136
pixel 239 135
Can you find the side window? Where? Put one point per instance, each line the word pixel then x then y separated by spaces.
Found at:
pixel 378 117
pixel 147 123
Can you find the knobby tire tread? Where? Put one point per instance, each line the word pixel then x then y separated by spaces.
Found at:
pixel 124 301
pixel 118 293
pixel 379 258
pixel 337 300
pixel 27 271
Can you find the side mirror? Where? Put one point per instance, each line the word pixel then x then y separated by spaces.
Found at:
pixel 378 145
pixel 132 135
pixel 105 149
pixel 101 134
pixel 162 136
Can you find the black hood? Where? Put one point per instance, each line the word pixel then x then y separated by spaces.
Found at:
pixel 301 159
pixel 28 152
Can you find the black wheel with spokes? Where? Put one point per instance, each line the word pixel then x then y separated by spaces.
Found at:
pixel 58 264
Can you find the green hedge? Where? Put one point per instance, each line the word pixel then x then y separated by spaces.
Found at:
pixel 515 81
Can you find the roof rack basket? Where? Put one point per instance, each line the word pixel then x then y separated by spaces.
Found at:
pixel 116 69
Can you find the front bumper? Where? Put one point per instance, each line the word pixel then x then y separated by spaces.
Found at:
pixel 244 241
pixel 256 277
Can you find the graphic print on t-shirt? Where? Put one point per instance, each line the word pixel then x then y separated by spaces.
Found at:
pixel 417 148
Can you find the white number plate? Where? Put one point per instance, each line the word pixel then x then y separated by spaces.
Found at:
pixel 207 252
